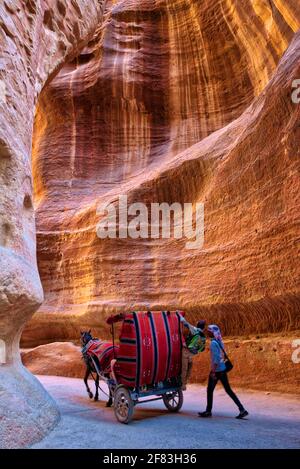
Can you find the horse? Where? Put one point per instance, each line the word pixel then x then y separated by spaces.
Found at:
pixel 85 338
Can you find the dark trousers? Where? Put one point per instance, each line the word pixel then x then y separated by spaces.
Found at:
pixel 212 382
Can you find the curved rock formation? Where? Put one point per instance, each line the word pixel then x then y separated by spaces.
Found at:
pixel 55 359
pixel 173 101
pixel 36 38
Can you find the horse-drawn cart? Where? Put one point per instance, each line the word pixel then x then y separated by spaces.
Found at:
pixel 148 362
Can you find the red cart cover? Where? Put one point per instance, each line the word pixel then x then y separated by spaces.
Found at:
pixel 150 348
pixel 103 352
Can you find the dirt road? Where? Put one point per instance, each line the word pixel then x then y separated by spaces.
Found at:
pixel 274 421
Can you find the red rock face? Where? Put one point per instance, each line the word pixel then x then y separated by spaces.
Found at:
pixel 173 101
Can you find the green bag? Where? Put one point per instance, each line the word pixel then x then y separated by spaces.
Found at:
pixel 195 343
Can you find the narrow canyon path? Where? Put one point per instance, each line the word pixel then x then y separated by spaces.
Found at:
pixel 274 421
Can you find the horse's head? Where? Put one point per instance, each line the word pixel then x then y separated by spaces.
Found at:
pixel 85 337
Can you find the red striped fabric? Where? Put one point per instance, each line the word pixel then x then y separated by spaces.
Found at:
pixel 150 348
pixel 162 347
pixel 125 367
pixel 176 341
pixel 104 352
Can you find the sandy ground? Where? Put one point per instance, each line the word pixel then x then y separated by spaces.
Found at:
pixel 274 421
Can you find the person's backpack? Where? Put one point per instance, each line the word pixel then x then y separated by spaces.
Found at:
pixel 196 343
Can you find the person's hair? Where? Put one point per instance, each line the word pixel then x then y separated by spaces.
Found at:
pixel 201 324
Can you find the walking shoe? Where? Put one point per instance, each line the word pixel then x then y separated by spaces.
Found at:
pixel 204 414
pixel 242 414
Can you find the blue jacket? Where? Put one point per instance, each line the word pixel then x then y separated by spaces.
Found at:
pixel 216 356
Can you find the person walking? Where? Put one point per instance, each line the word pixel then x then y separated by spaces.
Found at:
pixel 194 344
pixel 218 373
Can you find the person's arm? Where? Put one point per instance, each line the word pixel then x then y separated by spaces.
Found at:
pixel 193 330
pixel 214 353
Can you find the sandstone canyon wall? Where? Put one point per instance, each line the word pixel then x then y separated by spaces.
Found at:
pixel 262 363
pixel 173 101
pixel 161 100
pixel 36 38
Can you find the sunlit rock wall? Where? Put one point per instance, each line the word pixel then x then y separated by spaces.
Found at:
pixel 144 111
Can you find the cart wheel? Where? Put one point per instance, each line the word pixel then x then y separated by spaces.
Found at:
pixel 173 400
pixel 123 405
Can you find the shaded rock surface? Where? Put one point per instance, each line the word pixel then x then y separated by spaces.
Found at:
pixel 27 412
pixel 36 38
pixel 263 363
pixel 57 359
